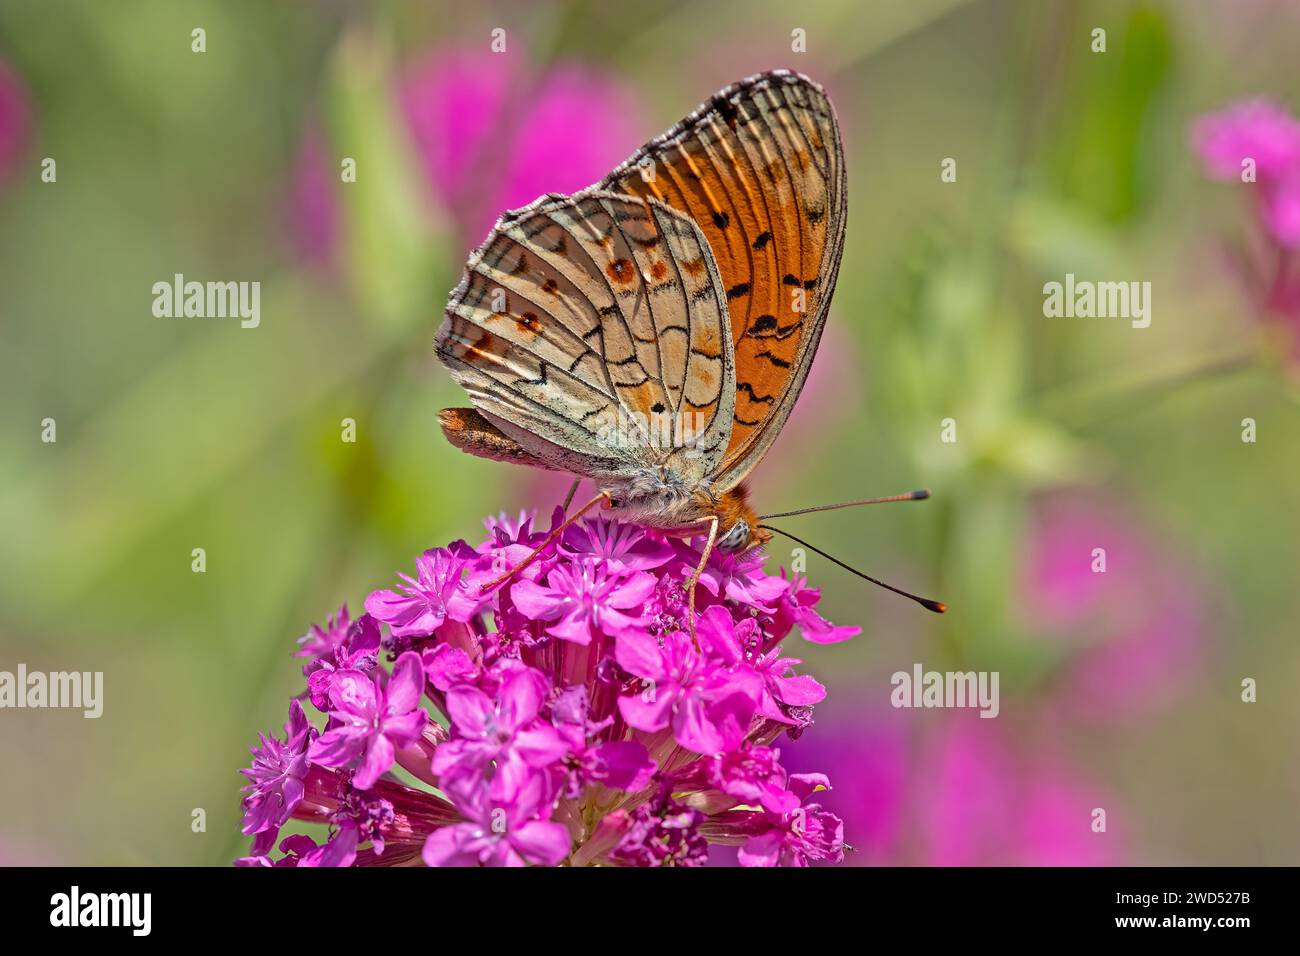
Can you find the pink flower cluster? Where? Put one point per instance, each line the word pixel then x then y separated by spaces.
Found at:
pixel 578 721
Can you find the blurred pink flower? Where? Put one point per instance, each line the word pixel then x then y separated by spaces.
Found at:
pixel 1268 135
pixel 492 136
pixel 488 136
pixel 982 803
pixel 869 763
pixel 1136 633
pixel 968 794
pixel 453 101
pixel 1259 130
pixel 15 118
pixel 313 207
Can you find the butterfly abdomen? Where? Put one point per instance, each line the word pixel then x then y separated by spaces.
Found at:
pixel 659 499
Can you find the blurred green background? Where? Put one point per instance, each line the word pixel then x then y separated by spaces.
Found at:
pixel 1072 434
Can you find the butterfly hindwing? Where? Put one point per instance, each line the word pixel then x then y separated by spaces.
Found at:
pixel 593 328
pixel 760 168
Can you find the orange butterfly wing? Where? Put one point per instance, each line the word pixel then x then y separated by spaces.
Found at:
pixel 760 169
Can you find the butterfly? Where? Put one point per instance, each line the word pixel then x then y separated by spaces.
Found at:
pixel 653 331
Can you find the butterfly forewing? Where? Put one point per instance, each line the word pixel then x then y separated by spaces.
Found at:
pixel 760 169
pixel 597 323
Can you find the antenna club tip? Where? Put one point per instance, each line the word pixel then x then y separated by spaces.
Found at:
pixel 921 494
pixel 938 607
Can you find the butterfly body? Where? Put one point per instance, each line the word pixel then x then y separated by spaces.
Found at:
pixel 651 333
pixel 685 512
pixel 654 496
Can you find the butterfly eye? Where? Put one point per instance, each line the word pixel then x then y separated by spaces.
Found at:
pixel 735 538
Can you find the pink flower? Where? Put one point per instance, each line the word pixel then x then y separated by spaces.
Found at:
pixel 736 577
pixel 320 643
pixel 491 730
pixel 446 666
pixel 708 706
pixel 988 805
pixel 805 834
pixel 338 850
pixel 301 850
pixel 506 832
pixel 1259 130
pixel 796 609
pixel 1149 607
pixel 422 605
pixel 663 832
pixel 616 764
pixel 277 773
pixel 1268 136
pixel 341 645
pixel 785 696
pixel 454 102
pixel 371 721
pixel 749 776
pixel 510 544
pixel 619 547
pixel 491 136
pixel 583 598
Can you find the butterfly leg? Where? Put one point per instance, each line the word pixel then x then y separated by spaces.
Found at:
pixel 695 576
pixel 568 499
pixel 555 533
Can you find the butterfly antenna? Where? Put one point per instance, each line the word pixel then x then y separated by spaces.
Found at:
pixel 920 495
pixel 937 606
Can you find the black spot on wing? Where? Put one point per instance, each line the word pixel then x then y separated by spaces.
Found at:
pixel 728 111
pixel 766 327
pixel 749 390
